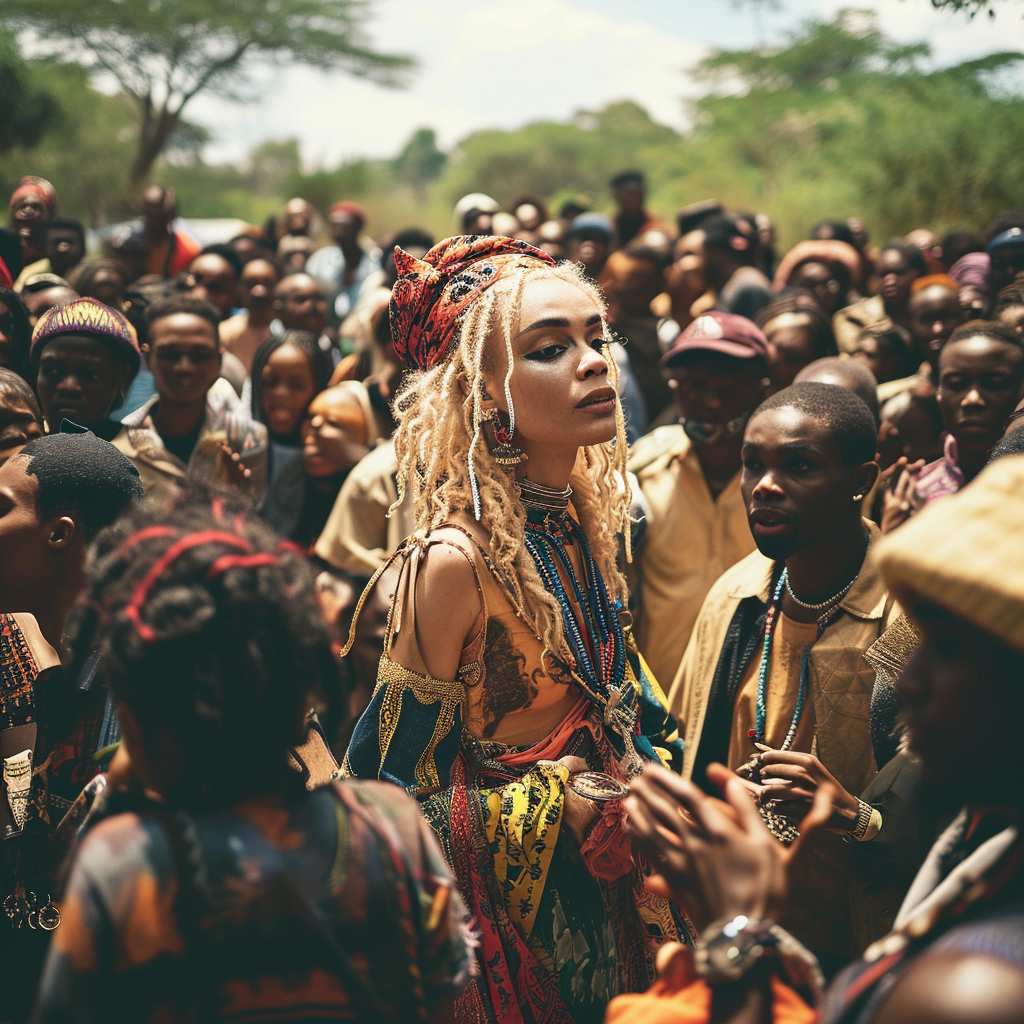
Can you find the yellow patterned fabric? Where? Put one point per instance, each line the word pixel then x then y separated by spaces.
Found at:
pixel 521 822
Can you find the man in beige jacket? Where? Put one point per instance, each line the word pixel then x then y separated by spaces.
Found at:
pixel 776 659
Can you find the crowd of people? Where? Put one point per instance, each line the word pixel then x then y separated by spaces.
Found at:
pixel 581 618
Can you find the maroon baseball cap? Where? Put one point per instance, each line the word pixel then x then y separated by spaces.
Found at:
pixel 727 333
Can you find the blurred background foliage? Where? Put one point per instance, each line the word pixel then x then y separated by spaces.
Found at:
pixel 836 121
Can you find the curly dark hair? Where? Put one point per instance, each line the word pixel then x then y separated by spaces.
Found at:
pixel 205 626
pixel 849 420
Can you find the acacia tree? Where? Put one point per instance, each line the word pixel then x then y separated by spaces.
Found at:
pixel 163 53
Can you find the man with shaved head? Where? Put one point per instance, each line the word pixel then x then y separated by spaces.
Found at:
pixel 300 304
pixel 851 374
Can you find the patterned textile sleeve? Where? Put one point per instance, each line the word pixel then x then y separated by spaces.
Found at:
pixel 659 732
pixel 410 732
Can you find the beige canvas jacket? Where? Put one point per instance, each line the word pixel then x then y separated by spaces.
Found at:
pixel 841 680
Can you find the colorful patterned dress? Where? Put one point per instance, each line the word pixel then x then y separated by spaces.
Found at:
pixel 562 928
pixel 333 905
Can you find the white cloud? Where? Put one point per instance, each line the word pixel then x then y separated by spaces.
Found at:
pixel 493 64
pixel 504 63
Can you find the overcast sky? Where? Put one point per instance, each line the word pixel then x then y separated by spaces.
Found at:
pixel 505 63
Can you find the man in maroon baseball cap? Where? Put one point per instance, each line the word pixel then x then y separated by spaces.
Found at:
pixel 689 474
pixel 727 333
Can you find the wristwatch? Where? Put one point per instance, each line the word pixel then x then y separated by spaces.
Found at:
pixel 729 948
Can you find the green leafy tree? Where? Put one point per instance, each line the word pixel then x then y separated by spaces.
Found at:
pixel 840 120
pixel 272 165
pixel 420 161
pixel 551 158
pixel 84 149
pixel 26 109
pixel 163 53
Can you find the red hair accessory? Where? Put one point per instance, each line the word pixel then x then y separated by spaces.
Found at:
pixel 431 295
pixel 226 562
pixel 176 550
pixel 5 276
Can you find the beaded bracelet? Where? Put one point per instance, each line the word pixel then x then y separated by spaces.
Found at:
pixel 869 824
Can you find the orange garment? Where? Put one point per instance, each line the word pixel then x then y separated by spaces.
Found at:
pixel 680 996
pixel 171 255
pixel 788 645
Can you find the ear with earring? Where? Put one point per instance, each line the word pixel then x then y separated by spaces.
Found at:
pixel 499 440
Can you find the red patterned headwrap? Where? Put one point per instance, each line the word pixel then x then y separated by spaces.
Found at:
pixel 432 294
pixel 32 185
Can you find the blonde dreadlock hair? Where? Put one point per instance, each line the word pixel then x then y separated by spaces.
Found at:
pixel 438 441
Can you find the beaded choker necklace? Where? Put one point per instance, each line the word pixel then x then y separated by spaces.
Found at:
pixel 596 643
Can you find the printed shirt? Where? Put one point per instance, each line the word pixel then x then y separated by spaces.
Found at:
pixel 336 905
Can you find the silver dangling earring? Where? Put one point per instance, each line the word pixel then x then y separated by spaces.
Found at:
pixel 474 487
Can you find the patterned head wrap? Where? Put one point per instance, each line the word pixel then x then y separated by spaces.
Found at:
pixel 87 316
pixel 432 294
pixel 31 185
pixel 972 269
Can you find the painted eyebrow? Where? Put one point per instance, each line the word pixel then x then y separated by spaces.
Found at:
pixel 557 321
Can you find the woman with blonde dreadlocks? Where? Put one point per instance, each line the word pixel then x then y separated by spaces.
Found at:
pixel 510 697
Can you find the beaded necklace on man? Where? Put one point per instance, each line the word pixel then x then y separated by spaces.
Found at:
pixel 596 643
pixel 780 826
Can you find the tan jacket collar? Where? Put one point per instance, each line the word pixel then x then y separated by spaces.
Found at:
pixel 866 598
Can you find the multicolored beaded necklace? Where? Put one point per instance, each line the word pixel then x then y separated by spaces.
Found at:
pixel 774 610
pixel 597 643
pixel 778 824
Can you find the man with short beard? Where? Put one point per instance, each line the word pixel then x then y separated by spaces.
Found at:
pixel 776 658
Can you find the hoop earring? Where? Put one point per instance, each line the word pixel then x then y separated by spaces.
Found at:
pixel 503 451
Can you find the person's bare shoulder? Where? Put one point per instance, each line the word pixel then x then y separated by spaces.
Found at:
pixel 954 988
pixel 448 602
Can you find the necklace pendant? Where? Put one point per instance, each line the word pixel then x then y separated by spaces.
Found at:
pixel 623 719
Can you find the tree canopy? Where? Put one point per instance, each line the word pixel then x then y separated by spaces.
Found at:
pixel 26 108
pixel 836 120
pixel 163 53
